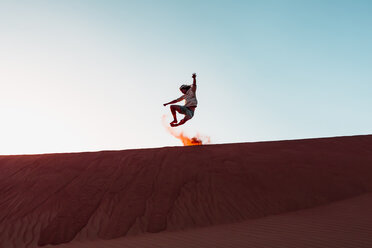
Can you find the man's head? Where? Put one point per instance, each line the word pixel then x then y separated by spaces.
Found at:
pixel 184 88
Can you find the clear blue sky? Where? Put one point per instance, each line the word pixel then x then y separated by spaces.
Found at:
pixel 93 75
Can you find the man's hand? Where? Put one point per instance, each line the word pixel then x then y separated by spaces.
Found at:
pixel 194 75
pixel 165 104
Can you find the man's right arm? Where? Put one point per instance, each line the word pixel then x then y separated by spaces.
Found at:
pixel 175 101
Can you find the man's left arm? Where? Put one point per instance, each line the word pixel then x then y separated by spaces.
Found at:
pixel 194 82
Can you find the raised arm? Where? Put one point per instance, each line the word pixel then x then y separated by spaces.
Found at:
pixel 194 82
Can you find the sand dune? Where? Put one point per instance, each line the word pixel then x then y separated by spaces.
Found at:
pixel 343 224
pixel 59 198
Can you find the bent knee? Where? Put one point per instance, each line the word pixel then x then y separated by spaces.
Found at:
pixel 176 107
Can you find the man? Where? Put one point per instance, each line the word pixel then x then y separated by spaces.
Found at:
pixel 189 95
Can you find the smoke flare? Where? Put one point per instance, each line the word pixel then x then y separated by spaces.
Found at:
pixel 186 141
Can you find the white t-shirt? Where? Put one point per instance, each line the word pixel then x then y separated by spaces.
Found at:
pixel 190 98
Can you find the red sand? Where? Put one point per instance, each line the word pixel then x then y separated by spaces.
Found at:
pixel 341 224
pixel 56 198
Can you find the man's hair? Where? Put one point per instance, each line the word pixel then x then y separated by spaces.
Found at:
pixel 186 87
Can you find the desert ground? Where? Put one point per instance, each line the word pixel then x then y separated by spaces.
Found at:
pixel 293 193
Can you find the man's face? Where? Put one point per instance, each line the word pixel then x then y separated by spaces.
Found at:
pixel 184 91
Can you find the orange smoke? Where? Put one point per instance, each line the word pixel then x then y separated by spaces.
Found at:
pixel 186 141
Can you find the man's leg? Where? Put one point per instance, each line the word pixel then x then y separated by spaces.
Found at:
pixel 174 109
pixel 183 121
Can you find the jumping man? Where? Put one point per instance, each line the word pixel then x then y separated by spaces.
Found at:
pixel 189 95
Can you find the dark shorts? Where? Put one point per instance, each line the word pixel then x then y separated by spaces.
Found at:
pixel 186 111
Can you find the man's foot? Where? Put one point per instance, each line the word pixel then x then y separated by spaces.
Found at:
pixel 173 122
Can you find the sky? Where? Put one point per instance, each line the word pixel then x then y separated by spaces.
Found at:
pixel 93 75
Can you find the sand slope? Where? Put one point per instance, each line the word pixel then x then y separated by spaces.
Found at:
pixel 55 198
pixel 342 224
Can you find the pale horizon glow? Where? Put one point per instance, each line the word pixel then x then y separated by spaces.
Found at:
pixel 92 75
